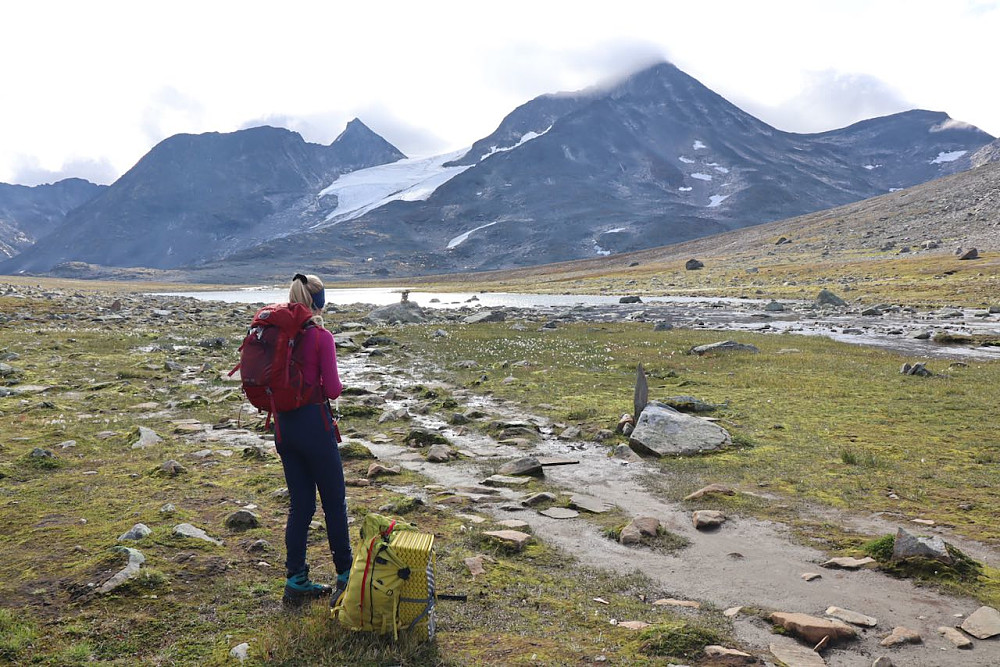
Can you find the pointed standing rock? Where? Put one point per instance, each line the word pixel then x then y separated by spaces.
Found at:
pixel 641 395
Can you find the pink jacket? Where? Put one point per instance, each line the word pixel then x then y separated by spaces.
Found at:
pixel 319 360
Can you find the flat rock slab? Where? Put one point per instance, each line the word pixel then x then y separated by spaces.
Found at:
pixel 135 561
pixel 710 490
pixel 547 461
pixel 812 628
pixel 794 654
pixel 538 498
pixel 983 623
pixel 187 530
pixel 633 625
pixel 663 431
pixel 513 524
pixel 505 480
pixel 848 563
pixel 588 503
pixel 560 513
pixel 671 602
pixel 512 537
pixel 955 637
pixel 852 617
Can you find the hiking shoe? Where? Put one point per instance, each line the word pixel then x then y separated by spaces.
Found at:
pixel 340 587
pixel 300 589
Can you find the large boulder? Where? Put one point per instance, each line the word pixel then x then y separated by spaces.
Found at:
pixel 907 545
pixel 405 312
pixel 663 431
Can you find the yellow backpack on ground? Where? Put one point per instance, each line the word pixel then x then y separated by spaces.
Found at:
pixel 392 581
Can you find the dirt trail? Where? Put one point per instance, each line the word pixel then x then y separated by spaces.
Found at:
pixel 767 575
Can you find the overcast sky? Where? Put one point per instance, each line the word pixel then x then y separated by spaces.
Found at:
pixel 87 88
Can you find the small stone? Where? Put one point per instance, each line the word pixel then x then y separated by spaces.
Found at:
pixel 671 602
pixel 258 546
pixel 538 499
pixel 475 565
pixel 512 537
pixel 883 661
pixel 168 508
pixel 439 454
pixel 630 535
pixel 647 525
pixel 377 470
pixel 136 532
pixel 732 612
pixel 147 438
pixel 633 625
pixel 172 468
pixel 187 530
pixel 39 453
pixel 955 637
pixel 907 545
pixel 848 563
pixel 983 623
pixel 240 651
pixel 242 520
pixel 710 490
pixel 560 513
pixel 852 617
pixel 901 635
pixel 705 519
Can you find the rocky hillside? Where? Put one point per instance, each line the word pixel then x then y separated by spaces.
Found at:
pixel 29 213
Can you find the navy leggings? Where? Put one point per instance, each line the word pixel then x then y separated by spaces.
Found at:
pixel 309 455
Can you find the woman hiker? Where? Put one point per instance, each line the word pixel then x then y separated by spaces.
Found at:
pixel 307 444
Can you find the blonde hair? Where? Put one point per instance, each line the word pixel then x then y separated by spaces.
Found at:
pixel 299 292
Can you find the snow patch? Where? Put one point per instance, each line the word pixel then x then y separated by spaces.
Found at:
pixel 697 145
pixel 461 238
pixel 721 170
pixel 716 200
pixel 948 157
pixel 702 177
pixel 525 138
pixel 685 160
pixel 685 189
pixel 598 250
pixel 410 179
pixel 869 167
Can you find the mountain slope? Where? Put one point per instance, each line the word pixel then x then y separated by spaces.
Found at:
pixel 657 159
pixel 30 213
pixel 197 197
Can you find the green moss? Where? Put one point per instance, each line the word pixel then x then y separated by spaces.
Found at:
pixel 678 639
pixel 17 635
pixel 355 451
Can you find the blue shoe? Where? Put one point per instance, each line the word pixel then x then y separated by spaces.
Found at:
pixel 340 587
pixel 300 589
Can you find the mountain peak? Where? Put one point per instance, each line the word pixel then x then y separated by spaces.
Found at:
pixel 360 141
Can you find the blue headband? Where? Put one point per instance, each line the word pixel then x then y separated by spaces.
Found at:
pixel 319 299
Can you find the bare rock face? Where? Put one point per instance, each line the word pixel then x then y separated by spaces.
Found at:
pixel 663 431
pixel 812 628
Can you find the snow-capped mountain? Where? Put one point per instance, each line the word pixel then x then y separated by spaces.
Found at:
pixel 656 159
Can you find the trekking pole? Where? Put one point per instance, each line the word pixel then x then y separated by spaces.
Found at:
pixel 453 598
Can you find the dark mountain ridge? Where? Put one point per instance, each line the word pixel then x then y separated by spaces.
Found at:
pixel 194 198
pixel 28 213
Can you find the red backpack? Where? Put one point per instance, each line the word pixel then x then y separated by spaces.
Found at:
pixel 271 359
